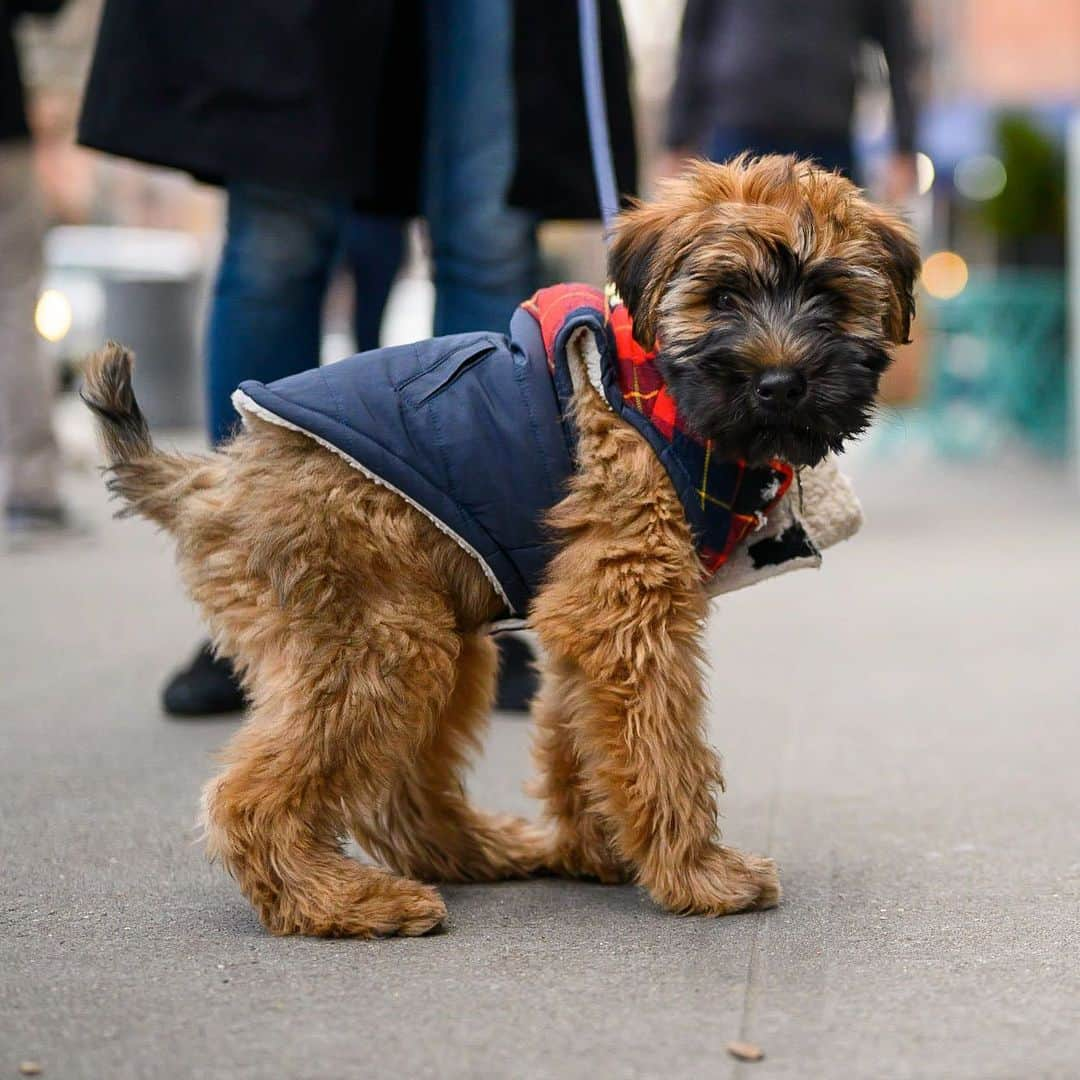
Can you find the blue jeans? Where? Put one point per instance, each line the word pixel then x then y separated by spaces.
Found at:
pixel 280 247
pixel 831 152
pixel 266 314
pixel 484 251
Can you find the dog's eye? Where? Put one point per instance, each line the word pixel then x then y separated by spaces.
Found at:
pixel 723 301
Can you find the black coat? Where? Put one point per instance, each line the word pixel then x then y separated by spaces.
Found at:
pixel 12 106
pixel 329 97
pixel 747 64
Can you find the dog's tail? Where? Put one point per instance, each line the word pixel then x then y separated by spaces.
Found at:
pixel 152 483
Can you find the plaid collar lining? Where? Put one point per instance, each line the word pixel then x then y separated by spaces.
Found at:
pixel 724 500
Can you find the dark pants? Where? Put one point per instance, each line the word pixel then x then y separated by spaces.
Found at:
pixel 266 316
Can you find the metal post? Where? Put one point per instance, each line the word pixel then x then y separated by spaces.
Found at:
pixel 1072 295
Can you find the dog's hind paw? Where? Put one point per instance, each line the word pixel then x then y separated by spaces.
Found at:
pixel 375 904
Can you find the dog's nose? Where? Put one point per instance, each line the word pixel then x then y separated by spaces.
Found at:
pixel 780 389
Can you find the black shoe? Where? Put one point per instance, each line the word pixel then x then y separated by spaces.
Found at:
pixel 35 517
pixel 25 524
pixel 518 681
pixel 206 687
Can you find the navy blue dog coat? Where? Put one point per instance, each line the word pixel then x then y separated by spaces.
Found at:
pixel 474 431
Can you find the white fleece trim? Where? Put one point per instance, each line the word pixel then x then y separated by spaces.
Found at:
pixel 830 508
pixel 739 570
pixel 244 405
pixel 582 352
pixel 829 513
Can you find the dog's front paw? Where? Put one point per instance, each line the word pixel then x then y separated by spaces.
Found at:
pixel 724 882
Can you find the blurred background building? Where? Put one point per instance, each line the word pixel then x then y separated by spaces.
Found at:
pixel 988 371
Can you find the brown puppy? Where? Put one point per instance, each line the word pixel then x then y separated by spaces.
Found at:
pixel 775 292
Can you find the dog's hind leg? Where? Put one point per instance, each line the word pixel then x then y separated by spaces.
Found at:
pixel 426 827
pixel 340 710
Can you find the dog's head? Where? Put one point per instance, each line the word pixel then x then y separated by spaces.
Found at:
pixel 775 293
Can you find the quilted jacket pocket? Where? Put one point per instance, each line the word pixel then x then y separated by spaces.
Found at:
pixel 432 382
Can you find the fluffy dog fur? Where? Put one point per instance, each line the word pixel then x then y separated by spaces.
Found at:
pixel 359 628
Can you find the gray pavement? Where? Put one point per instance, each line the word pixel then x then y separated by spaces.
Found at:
pixel 901 732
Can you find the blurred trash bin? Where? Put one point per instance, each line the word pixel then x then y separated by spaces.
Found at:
pixel 152 282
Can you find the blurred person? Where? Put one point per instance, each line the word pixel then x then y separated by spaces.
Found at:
pixel 323 158
pixel 776 77
pixel 32 502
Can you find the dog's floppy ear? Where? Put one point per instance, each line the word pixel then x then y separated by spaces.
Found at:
pixel 899 257
pixel 650 240
pixel 636 264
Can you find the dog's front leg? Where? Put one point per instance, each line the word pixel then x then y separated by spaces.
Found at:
pixel 628 777
pixel 637 726
pixel 620 619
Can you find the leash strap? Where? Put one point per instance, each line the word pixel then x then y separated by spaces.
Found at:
pixel 592 76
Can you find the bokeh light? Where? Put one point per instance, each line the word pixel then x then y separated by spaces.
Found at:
pixel 52 316
pixel 924 172
pixel 980 177
pixel 944 275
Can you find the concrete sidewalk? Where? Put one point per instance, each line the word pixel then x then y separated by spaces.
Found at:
pixel 901 732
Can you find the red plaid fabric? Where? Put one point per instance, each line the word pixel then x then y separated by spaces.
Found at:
pixel 719 484
pixel 551 307
pixel 640 380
